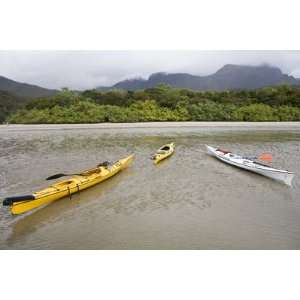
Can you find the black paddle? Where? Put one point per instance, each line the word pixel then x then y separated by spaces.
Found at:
pixel 55 176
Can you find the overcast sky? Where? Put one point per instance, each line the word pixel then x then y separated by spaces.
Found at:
pixel 89 69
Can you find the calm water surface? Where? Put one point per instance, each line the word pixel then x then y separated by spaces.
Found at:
pixel 189 201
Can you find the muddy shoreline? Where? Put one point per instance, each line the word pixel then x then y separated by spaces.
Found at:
pixel 235 125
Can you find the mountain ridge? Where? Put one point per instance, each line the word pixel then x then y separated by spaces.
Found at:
pixel 24 89
pixel 229 77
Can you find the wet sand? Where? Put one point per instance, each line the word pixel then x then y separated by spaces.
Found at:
pixel 231 125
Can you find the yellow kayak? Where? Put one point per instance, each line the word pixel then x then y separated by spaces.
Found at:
pixel 163 152
pixel 86 179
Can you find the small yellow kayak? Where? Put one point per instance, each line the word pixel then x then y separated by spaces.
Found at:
pixel 163 152
pixel 74 184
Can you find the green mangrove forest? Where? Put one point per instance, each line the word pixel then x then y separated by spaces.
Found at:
pixel 162 103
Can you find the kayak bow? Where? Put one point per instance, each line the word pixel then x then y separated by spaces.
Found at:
pixel 86 179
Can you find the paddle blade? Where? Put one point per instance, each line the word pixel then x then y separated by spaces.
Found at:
pixel 265 157
pixel 55 176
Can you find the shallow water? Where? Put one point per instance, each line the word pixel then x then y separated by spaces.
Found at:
pixel 189 201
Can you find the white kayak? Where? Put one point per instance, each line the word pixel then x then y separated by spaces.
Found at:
pixel 250 165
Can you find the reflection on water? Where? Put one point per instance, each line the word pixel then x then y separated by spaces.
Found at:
pixel 189 201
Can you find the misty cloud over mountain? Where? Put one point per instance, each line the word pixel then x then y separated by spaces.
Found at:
pixel 89 69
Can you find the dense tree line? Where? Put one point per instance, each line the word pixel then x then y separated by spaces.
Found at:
pixel 8 103
pixel 163 103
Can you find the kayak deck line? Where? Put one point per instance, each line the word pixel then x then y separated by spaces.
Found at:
pixel 271 169
pixel 89 178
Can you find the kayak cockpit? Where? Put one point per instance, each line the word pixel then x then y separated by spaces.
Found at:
pixel 164 148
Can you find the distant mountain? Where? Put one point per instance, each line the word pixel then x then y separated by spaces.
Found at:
pixel 229 77
pixel 23 89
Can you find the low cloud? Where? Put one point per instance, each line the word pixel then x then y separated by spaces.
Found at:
pixel 89 69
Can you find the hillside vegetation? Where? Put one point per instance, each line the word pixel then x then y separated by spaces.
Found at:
pixel 163 103
pixel 24 90
pixel 8 104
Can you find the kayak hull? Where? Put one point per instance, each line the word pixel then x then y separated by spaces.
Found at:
pixel 283 176
pixel 163 154
pixel 70 186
